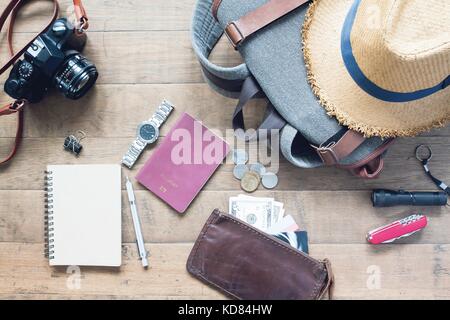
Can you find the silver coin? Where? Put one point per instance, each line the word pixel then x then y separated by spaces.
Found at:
pixel 239 171
pixel 258 168
pixel 269 180
pixel 240 156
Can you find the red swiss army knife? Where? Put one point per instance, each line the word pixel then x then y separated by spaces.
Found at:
pixel 397 229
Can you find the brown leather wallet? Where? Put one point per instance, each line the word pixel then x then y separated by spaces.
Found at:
pixel 246 263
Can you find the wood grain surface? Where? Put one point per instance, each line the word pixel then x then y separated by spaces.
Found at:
pixel 143 51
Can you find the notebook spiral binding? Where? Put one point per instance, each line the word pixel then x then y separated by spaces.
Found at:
pixel 49 251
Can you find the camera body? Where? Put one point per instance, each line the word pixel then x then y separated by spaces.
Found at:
pixel 53 60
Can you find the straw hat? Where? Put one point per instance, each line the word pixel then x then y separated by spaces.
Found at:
pixel 381 67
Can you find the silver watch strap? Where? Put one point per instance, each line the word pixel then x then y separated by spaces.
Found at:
pixel 133 152
pixel 162 113
pixel 138 145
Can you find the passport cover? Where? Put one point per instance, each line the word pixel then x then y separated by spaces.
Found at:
pixel 183 163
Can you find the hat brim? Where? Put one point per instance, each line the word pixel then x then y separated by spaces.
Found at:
pixel 343 98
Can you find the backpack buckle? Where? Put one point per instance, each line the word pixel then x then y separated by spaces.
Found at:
pixel 327 154
pixel 233 34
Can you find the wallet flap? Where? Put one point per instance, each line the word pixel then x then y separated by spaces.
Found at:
pixel 246 263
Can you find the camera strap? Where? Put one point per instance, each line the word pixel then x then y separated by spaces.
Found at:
pixel 17 107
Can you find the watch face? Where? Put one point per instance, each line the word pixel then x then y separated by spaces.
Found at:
pixel 148 132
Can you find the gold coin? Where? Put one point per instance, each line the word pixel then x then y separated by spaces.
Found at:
pixel 250 181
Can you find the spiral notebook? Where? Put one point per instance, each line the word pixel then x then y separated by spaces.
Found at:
pixel 83 215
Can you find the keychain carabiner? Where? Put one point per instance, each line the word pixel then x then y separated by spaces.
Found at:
pixel 425 160
pixel 422 147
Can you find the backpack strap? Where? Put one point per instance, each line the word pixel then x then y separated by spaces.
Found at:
pixel 332 152
pixel 272 121
pixel 298 150
pixel 371 166
pixel 206 32
pixel 239 30
pixel 235 82
pixel 370 170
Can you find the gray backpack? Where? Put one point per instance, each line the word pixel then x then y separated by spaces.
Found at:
pixel 267 35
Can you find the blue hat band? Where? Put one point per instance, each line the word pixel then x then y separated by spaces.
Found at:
pixel 366 84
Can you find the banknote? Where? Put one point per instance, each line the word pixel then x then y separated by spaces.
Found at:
pixel 278 212
pixel 268 215
pixel 253 210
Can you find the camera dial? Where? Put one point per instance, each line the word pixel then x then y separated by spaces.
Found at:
pixel 26 70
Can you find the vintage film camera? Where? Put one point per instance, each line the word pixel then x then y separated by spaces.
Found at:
pixel 53 60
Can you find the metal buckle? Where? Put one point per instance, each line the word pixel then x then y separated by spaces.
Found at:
pixel 234 42
pixel 82 25
pixel 323 151
pixel 18 104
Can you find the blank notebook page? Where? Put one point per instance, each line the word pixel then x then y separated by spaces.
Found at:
pixel 87 213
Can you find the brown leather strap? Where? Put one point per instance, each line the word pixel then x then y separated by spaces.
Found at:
pixel 215 8
pixel 371 166
pixel 11 10
pixel 237 31
pixel 368 168
pixel 371 170
pixel 18 106
pixel 80 12
pixel 334 152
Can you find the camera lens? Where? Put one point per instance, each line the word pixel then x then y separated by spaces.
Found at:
pixel 76 77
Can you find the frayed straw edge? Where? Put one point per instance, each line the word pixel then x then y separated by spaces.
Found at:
pixel 342 117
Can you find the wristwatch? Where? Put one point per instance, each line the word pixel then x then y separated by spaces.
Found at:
pixel 147 133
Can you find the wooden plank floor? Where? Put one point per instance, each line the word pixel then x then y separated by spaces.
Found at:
pixel 142 49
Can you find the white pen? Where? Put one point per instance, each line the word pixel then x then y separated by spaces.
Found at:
pixel 143 254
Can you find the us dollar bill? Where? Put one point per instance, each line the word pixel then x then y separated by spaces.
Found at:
pixel 258 212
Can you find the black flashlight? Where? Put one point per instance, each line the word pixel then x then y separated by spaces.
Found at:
pixel 390 198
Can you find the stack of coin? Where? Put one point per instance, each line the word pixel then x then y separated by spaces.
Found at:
pixel 252 176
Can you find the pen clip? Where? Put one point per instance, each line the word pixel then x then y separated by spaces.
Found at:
pixel 130 191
